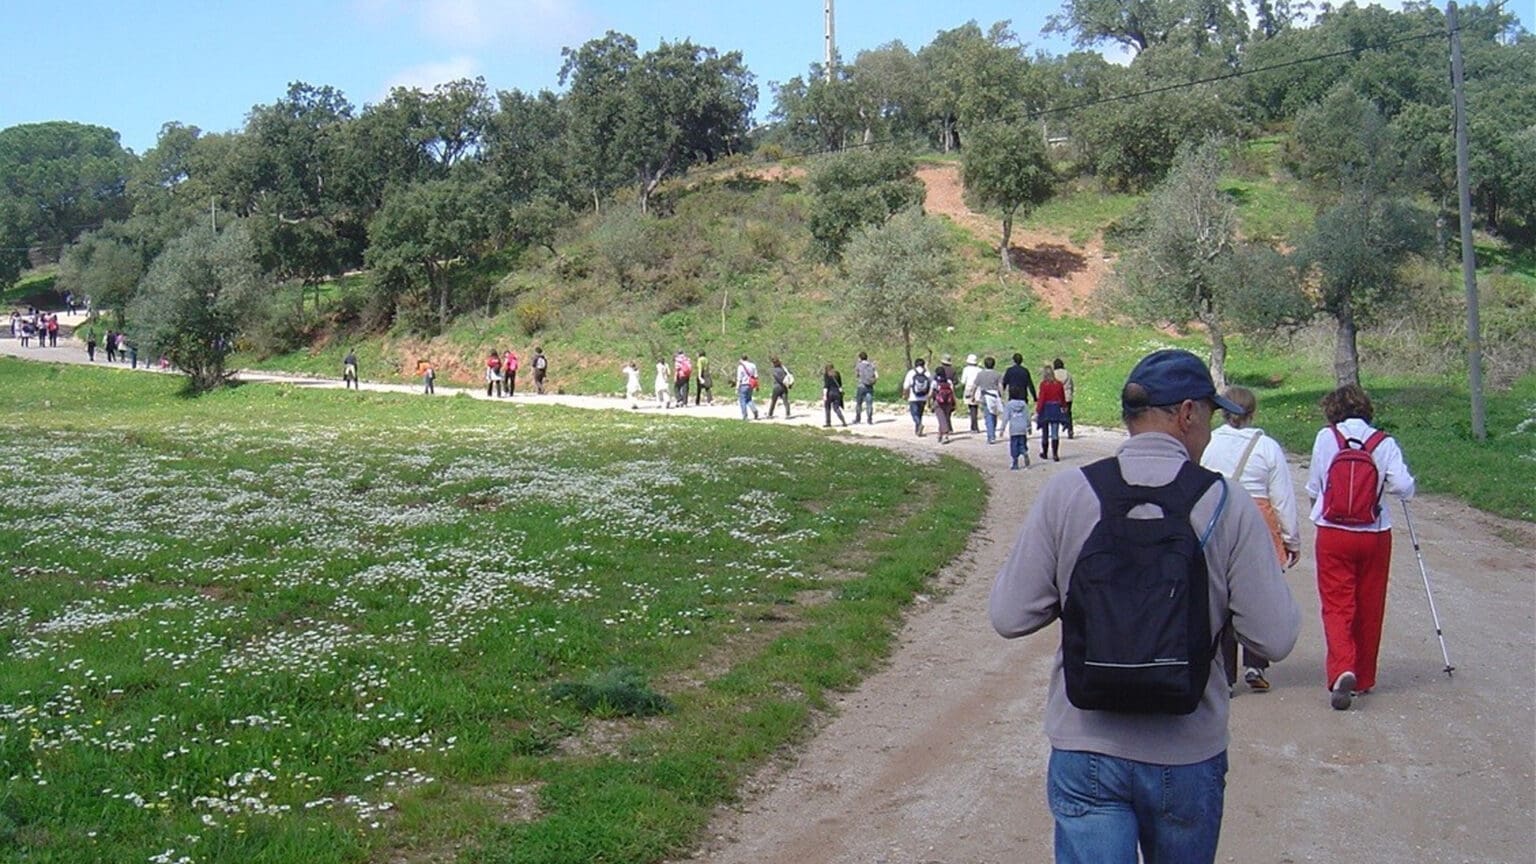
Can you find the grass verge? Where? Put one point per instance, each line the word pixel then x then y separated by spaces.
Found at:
pixel 288 625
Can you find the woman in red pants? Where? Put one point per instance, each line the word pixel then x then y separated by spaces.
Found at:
pixel 1354 536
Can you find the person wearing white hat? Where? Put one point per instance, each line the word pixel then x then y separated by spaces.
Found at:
pixel 968 387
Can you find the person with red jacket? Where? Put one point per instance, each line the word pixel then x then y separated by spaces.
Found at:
pixel 1051 414
pixel 509 373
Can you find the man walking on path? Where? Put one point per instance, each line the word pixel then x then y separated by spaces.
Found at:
pixel 865 374
pixel 1017 381
pixel 917 387
pixel 540 369
pixel 1117 781
pixel 349 370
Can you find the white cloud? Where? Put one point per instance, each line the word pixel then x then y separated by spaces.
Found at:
pixel 425 76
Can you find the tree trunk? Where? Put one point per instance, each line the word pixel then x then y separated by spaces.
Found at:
pixel 1346 356
pixel 906 338
pixel 1007 233
pixel 1218 354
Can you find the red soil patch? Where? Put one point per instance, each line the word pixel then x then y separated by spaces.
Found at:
pixel 1063 275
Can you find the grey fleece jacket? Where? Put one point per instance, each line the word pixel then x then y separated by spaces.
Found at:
pixel 1245 582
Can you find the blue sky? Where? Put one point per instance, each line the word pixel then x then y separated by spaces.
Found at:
pixel 132 65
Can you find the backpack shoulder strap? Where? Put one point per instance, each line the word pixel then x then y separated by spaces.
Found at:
pixel 1339 436
pixel 1374 441
pixel 1237 473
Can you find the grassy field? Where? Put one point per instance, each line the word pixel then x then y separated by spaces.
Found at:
pixel 274 624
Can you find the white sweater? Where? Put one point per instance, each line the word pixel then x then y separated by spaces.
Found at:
pixel 1265 476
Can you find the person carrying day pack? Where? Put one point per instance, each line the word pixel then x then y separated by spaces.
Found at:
pixel 1256 465
pixel 1144 557
pixel 540 369
pixel 916 387
pixel 1353 465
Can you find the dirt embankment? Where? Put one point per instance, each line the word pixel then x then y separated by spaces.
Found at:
pixel 1062 274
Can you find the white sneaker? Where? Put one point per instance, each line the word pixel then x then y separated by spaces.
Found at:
pixel 1343 691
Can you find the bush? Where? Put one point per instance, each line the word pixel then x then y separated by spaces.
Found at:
pixel 532 316
pixel 618 692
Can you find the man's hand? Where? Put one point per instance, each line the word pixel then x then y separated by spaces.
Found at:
pixel 1291 557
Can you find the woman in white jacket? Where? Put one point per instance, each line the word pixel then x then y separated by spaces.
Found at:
pixel 1255 462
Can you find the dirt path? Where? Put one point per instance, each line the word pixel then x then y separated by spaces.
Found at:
pixel 1063 275
pixel 939 757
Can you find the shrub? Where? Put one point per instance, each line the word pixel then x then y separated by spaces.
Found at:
pixel 618 692
pixel 532 316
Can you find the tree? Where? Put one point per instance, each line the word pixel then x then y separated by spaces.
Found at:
pixel 1142 24
pixel 900 276
pixel 106 269
pixel 816 113
pixel 197 297
pixel 1006 166
pixel 1188 265
pixel 58 180
pixel 1356 251
pixel 973 77
pixel 858 188
pixel 1131 143
pixel 422 231
pixel 648 117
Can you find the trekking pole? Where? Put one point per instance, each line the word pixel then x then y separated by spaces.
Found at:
pixel 1427 593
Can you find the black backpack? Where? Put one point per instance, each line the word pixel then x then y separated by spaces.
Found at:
pixel 1136 627
pixel 919 385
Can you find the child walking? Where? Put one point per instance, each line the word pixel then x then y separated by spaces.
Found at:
pixel 1017 420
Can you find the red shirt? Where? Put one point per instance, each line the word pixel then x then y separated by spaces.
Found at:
pixel 1050 391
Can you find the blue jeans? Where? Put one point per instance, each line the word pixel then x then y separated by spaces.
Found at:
pixel 915 408
pixel 1106 806
pixel 991 424
pixel 744 399
pixel 865 394
pixel 1018 445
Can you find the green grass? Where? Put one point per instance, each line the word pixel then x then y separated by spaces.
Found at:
pixel 288 625
pixel 35 287
pixel 1080 214
pixel 1431 418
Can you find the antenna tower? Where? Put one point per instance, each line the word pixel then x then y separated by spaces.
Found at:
pixel 831 43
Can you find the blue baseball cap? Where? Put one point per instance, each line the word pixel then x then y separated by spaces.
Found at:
pixel 1172 375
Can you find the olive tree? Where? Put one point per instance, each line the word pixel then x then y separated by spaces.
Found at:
pixel 195 300
pixel 900 276
pixel 1007 167
pixel 1188 265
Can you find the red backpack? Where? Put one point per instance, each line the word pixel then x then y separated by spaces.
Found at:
pixel 1352 487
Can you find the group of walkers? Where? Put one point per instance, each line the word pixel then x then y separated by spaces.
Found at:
pixel 501 372
pixel 116 345
pixel 35 324
pixel 999 400
pixel 1158 562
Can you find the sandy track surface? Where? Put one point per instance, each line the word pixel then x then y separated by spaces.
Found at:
pixel 939 757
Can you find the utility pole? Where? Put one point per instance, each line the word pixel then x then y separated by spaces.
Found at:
pixel 831 46
pixel 213 214
pixel 1468 254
